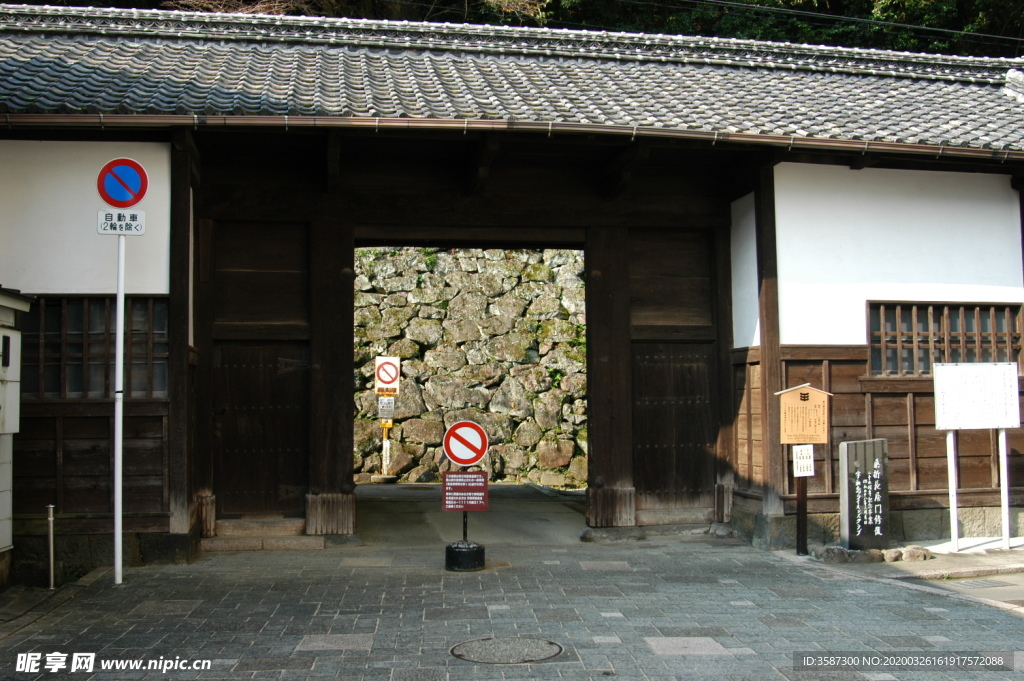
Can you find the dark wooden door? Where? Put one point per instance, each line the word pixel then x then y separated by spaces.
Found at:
pixel 261 428
pixel 674 425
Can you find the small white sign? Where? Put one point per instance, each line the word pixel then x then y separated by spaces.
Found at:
pixel 976 396
pixel 385 407
pixel 803 461
pixel 386 374
pixel 127 221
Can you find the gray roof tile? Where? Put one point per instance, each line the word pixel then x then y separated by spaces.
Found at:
pixel 64 60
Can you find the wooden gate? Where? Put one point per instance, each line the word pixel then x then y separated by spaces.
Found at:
pixel 674 430
pixel 261 428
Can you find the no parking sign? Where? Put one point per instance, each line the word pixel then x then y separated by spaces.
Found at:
pixel 122 183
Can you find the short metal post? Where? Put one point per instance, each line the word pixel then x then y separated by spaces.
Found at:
pixel 465 526
pixel 49 538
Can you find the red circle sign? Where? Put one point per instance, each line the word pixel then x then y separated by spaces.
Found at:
pixel 465 443
pixel 122 183
pixel 387 373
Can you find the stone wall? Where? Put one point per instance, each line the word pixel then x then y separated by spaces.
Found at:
pixel 491 336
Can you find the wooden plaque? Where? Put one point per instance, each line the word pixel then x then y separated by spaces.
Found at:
pixel 804 415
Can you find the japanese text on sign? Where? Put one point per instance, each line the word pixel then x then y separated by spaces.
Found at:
pixel 131 223
pixel 464 491
pixel 804 416
pixel 867 502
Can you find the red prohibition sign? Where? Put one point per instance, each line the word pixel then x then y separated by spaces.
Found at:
pixel 387 373
pixel 465 443
pixel 122 183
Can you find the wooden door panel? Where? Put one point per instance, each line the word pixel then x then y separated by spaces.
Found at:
pixel 261 428
pixel 674 425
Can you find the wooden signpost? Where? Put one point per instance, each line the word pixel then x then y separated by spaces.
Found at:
pixel 804 415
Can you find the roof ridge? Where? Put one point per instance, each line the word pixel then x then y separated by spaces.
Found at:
pixel 504 40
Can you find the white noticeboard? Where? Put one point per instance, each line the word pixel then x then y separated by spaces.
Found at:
pixel 972 397
pixel 976 396
pixel 803 461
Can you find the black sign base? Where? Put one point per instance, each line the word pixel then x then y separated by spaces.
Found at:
pixel 464 556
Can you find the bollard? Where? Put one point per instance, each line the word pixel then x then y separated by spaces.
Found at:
pixel 49 538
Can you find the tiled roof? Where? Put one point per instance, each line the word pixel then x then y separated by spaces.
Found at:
pixel 84 60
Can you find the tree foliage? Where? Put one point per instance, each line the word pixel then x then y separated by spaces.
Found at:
pixel 972 27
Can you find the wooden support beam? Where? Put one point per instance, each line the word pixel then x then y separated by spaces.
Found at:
pixel 726 462
pixel 486 152
pixel 330 503
pixel 611 495
pixel 619 173
pixel 184 176
pixel 334 144
pixel 771 350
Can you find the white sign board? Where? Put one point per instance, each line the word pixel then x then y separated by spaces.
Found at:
pixel 976 396
pixel 128 222
pixel 803 461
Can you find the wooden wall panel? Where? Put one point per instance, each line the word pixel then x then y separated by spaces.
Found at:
pixel 64 456
pixel 261 273
pixel 670 279
pixel 864 408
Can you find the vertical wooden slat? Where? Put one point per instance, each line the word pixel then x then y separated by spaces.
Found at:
pixel 883 340
pixel 915 359
pixel 912 439
pixel 826 385
pixel 947 335
pixel 899 342
pixel 977 335
pixel 931 337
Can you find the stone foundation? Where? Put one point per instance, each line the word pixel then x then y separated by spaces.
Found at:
pixel 773 533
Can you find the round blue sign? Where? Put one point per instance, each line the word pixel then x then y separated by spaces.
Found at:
pixel 122 183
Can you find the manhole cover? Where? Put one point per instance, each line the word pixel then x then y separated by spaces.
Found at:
pixel 511 650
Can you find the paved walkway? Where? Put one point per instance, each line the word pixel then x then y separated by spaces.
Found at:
pixel 667 608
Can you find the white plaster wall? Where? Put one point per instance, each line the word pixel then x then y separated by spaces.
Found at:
pixel 48 205
pixel 746 322
pixel 845 237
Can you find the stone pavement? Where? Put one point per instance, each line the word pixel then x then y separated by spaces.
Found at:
pixel 667 608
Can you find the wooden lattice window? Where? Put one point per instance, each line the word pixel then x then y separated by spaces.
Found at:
pixel 68 348
pixel 907 338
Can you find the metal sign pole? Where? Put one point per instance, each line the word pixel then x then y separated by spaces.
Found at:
pixel 1004 487
pixel 954 531
pixel 119 411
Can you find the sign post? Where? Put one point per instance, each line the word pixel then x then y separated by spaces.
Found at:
pixel 977 396
pixel 804 416
pixel 122 183
pixel 465 444
pixel 387 373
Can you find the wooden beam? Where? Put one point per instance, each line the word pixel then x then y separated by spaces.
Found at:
pixel 334 144
pixel 619 173
pixel 184 159
pixel 864 161
pixel 486 152
pixel 332 317
pixel 771 350
pixel 611 496
pixel 725 474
